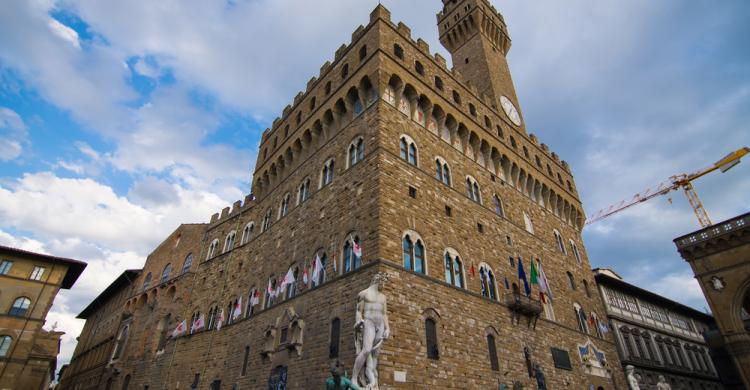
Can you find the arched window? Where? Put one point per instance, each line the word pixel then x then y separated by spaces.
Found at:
pixel 389 95
pixel 398 51
pixel 438 83
pixel 453 270
pixel 559 241
pixel 20 307
pixel 326 175
pixel 122 338
pixel 597 326
pixel 487 281
pixel 356 151
pixel 344 71
pixel 430 328
pixel 269 299
pixel 333 347
pixel 571 280
pixel 586 288
pixel 413 252
pixel 352 254
pixel 266 221
pixel 442 171
pixel 492 349
pixel 165 273
pixel 575 251
pixel 251 301
pixel 499 210
pixel 408 150
pixel 212 249
pixel 581 318
pixel 188 263
pixel 303 193
pixel 146 281
pixel 284 207
pixel 472 189
pixel 247 232
pixel 527 223
pixel 513 142
pixel 291 289
pixel 229 242
pixel 419 67
pixel 5 342
pixel 322 273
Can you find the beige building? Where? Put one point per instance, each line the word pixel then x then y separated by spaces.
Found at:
pixel 658 336
pixel 720 258
pixel 388 162
pixel 29 283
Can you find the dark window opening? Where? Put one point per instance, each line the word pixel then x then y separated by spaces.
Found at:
pixel 412 192
pixel 398 51
pixel 362 53
pixel 493 353
pixel 448 211
pixel 431 334
pixel 244 361
pixel 333 349
pixel 480 228
pixel 419 68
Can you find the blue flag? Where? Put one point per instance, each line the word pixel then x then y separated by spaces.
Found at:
pixel 522 277
pixel 507 286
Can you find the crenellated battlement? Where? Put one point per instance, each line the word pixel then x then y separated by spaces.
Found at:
pixel 309 105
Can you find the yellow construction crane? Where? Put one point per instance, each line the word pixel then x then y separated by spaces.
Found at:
pixel 676 182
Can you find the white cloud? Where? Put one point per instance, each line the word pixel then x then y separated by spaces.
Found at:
pixel 147 69
pixel 13 134
pixel 64 32
pixel 47 205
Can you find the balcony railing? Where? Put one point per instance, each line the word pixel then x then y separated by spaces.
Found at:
pixel 522 305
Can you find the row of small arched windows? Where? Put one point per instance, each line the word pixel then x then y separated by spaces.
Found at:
pixel 409 152
pixel 167 272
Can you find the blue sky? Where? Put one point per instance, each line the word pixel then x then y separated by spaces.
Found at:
pixel 120 120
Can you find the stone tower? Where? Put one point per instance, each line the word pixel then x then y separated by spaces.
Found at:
pixel 476 35
pixel 387 162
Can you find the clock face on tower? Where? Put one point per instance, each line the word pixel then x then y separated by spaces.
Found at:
pixel 510 110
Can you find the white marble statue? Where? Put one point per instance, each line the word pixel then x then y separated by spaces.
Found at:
pixel 632 379
pixel 663 384
pixel 370 330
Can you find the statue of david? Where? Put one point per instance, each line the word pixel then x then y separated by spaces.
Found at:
pixel 370 330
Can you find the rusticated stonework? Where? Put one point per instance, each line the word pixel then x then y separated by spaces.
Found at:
pixel 353 159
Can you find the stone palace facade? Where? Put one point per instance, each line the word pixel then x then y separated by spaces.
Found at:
pixel 389 162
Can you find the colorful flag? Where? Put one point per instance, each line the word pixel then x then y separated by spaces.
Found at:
pixel 334 264
pixel 288 279
pixel 270 287
pixel 199 323
pixel 220 320
pixel 317 268
pixel 522 278
pixel 592 320
pixel 255 299
pixel 180 329
pixel 472 270
pixel 507 286
pixel 304 274
pixel 603 327
pixel 237 309
pixel 534 275
pixel 544 284
pixel 357 249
